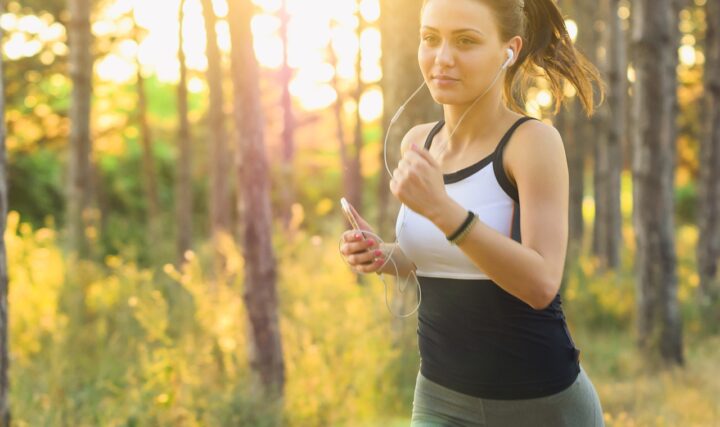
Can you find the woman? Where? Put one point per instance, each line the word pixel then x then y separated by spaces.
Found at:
pixel 494 344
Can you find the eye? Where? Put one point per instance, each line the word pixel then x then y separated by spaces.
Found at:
pixel 466 41
pixel 430 39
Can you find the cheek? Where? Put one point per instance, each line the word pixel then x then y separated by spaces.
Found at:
pixel 425 59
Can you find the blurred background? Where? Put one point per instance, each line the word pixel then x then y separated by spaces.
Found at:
pixel 172 171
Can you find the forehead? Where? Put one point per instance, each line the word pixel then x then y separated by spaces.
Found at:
pixel 451 15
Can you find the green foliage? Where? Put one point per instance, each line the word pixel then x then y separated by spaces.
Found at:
pixel 686 200
pixel 36 186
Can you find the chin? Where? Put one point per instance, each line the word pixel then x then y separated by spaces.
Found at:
pixel 445 98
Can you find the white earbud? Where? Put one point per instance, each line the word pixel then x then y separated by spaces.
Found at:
pixel 511 55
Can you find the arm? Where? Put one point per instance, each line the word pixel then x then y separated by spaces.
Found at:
pixel 531 271
pixel 404 265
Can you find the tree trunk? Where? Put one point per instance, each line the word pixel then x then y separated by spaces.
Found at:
pixel 575 148
pixel 260 294
pixel 617 79
pixel 219 154
pixel 151 192
pixel 4 352
pixel 354 166
pixel 400 28
pixel 708 249
pixel 574 128
pixel 654 40
pixel 601 153
pixel 611 124
pixel 288 143
pixel 79 174
pixel 183 184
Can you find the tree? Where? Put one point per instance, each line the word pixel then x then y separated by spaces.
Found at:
pixel 219 164
pixel 353 168
pixel 4 353
pixel 151 191
pixel 288 143
pixel 401 76
pixel 608 220
pixel 260 293
pixel 183 184
pixel 79 169
pixel 655 52
pixel 574 128
pixel 708 249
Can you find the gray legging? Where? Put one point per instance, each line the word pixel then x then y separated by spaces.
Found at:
pixel 576 406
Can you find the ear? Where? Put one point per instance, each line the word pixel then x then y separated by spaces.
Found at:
pixel 516 44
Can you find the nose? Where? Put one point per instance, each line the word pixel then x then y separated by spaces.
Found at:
pixel 444 56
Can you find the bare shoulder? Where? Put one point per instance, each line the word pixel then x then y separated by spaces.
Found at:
pixel 535 145
pixel 417 135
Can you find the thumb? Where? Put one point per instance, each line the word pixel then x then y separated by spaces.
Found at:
pixel 361 222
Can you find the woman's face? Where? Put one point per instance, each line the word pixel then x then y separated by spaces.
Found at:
pixel 460 49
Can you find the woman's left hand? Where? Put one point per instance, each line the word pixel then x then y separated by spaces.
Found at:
pixel 418 182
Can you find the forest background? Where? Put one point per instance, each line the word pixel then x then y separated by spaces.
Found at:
pixel 171 172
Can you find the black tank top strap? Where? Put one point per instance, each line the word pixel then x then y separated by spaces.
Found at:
pixel 500 173
pixel 433 132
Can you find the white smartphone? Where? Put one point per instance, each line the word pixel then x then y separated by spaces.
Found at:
pixel 348 214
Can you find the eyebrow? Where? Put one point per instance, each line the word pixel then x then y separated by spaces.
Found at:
pixel 462 30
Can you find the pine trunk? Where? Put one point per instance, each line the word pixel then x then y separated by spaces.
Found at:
pixel 708 249
pixel 219 155
pixel 400 27
pixel 615 127
pixel 79 173
pixel 655 49
pixel 183 184
pixel 4 352
pixel 149 174
pixel 288 132
pixel 260 293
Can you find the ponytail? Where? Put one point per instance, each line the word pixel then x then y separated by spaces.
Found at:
pixel 547 45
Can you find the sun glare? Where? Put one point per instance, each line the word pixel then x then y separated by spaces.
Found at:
pixel 314 27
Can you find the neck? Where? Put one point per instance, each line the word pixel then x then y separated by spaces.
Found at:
pixel 478 123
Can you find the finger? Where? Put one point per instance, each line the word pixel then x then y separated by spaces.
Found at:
pixel 370 268
pixel 361 258
pixel 357 247
pixel 361 221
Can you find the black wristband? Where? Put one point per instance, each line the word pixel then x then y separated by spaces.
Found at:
pixel 462 227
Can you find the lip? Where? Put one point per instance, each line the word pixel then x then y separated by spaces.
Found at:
pixel 444 78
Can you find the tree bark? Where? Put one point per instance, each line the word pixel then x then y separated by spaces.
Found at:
pixel 655 50
pixel 617 81
pixel 4 351
pixel 354 166
pixel 151 192
pixel 601 158
pixel 260 294
pixel 573 126
pixel 400 29
pixel 79 173
pixel 288 133
pixel 183 184
pixel 219 154
pixel 610 124
pixel 708 249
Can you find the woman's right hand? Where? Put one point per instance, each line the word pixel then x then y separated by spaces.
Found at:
pixel 361 251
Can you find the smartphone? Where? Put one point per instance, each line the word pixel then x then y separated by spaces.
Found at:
pixel 348 214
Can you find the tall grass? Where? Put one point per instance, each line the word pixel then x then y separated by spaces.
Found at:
pixel 114 344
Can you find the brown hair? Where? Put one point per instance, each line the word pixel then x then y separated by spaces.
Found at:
pixel 547 45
